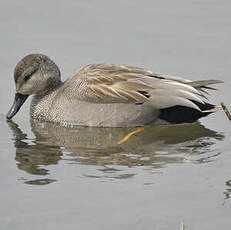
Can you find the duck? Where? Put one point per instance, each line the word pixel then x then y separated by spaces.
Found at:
pixel 108 95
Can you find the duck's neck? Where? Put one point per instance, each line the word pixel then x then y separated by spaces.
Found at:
pixel 41 103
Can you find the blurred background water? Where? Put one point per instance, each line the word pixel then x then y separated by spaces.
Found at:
pixel 60 178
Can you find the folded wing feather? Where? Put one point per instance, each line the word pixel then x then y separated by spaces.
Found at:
pixel 105 83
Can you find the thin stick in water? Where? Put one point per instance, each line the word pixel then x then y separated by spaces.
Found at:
pixel 226 111
pixel 182 226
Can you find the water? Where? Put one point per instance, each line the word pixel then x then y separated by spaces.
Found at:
pixel 60 178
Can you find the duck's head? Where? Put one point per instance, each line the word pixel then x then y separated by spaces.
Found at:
pixel 34 74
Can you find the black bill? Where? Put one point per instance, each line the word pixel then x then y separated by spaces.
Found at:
pixel 18 102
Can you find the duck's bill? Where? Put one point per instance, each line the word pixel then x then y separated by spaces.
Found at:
pixel 18 102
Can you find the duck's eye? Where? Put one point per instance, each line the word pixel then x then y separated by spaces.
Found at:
pixel 28 76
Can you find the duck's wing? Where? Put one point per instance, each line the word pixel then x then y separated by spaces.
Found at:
pixel 201 85
pixel 107 83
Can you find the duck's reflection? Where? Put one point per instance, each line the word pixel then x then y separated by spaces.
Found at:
pixel 155 147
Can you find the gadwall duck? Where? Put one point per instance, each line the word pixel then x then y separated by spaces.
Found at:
pixel 107 95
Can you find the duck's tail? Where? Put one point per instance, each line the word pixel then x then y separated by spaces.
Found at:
pixel 184 114
pixel 202 86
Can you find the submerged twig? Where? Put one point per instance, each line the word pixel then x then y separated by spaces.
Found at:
pixel 226 111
